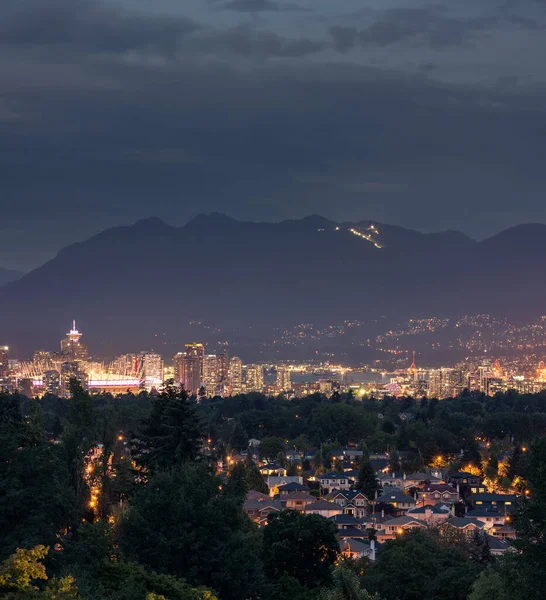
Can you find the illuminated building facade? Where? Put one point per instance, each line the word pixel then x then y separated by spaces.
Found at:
pixel 254 378
pixel 236 375
pixel 283 379
pixel 210 373
pixel 71 345
pixel 52 382
pixel 152 369
pixel 4 364
pixel 179 361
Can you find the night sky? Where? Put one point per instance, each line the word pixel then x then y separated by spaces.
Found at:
pixel 430 115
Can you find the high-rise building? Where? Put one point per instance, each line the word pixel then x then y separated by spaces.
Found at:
pixel 152 369
pixel 128 365
pixel 52 382
pixel 435 383
pixel 4 358
pixel 193 367
pixel 236 375
pixel 210 373
pixel 179 361
pixel 254 378
pixel 71 345
pixel 283 383
pixel 222 366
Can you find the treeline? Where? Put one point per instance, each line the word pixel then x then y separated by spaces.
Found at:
pixel 117 498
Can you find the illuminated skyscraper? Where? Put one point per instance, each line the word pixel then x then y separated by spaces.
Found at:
pixel 193 367
pixel 236 375
pixel 435 383
pixel 283 383
pixel 71 345
pixel 179 360
pixel 70 370
pixel 4 357
pixel 222 366
pixel 210 373
pixel 152 369
pixel 254 380
pixel 52 382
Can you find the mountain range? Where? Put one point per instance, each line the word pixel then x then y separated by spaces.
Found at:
pixel 155 285
pixel 7 275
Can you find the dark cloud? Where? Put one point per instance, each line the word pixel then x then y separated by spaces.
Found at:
pixel 253 6
pixel 345 38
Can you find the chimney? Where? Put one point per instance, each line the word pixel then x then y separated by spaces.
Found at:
pixel 372 546
pixel 382 513
pixel 404 477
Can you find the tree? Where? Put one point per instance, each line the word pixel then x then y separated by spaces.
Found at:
pixel 183 524
pixel 19 574
pixel 394 461
pixel 171 435
pixel 489 586
pixel 270 447
pixel 345 586
pixel 367 479
pixel 300 546
pixel 239 438
pixel 254 479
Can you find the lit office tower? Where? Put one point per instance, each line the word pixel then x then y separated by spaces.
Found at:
pixel 52 382
pixel 4 364
pixel 254 381
pixel 210 372
pixel 152 369
pixel 283 379
pixel 236 375
pixel 435 383
pixel 193 367
pixel 179 360
pixel 222 366
pixel 71 345
pixel 126 364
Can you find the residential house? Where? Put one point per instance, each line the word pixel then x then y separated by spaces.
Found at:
pixel 357 548
pixel 297 500
pixel 351 532
pixel 490 518
pixel 334 481
pixel 272 468
pixel 293 486
pixel 258 510
pixel 400 501
pixel 433 493
pixel 375 521
pixel 498 546
pixel 254 495
pixel 276 481
pixel 419 480
pixel 379 465
pixel 293 456
pixel 505 532
pixel 352 455
pixel 344 521
pixel 432 515
pixel 323 508
pixel 398 526
pixel 466 483
pixel 505 503
pixel 467 525
pixel 394 479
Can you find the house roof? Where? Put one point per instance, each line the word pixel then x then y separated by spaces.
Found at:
pixel 347 494
pixel 377 518
pixel 439 487
pixel 257 505
pixel 422 477
pixel 400 521
pixel 396 497
pixel 254 495
pixel 351 532
pixel 322 505
pixel 379 464
pixel 333 475
pixel 345 520
pixel 495 543
pixel 298 496
pixel 437 509
pixel 464 522
pixel 505 529
pixel 354 545
pixel 393 475
pixel 293 486
pixel 461 475
pixel 484 512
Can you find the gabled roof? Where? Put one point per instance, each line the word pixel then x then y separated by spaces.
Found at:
pixel 400 521
pixel 422 477
pixel 437 509
pixel 298 496
pixel 256 505
pixel 293 486
pixel 461 475
pixel 254 495
pixel 394 475
pixel 484 512
pixel 396 497
pixel 349 495
pixel 379 464
pixel 376 518
pixel 323 505
pixel 344 520
pixel 464 522
pixel 352 532
pixel 333 475
pixel 495 543
pixel 439 487
pixel 354 545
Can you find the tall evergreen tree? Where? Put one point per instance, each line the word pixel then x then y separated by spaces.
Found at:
pixel 367 479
